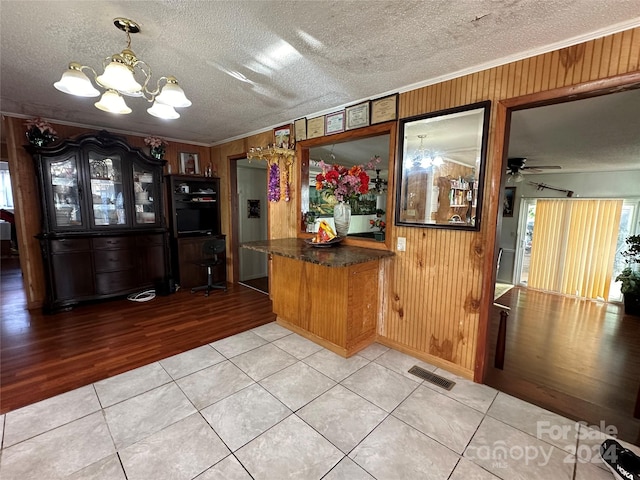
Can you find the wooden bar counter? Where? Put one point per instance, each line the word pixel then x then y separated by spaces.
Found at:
pixel 326 294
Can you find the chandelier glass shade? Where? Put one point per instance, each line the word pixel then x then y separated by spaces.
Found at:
pixel 120 77
pixel 426 158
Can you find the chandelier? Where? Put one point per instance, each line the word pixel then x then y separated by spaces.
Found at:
pixel 425 158
pixel 119 78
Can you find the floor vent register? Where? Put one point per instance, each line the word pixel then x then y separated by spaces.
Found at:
pixel 432 377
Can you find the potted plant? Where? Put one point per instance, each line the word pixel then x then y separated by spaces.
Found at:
pixel 380 224
pixel 309 220
pixel 630 276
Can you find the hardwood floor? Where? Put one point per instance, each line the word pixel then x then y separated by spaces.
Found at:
pixel 575 357
pixel 45 355
pixel 261 284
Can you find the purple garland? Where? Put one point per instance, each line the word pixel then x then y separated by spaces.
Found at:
pixel 274 182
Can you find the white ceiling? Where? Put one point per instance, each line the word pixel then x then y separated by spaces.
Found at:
pixel 589 135
pixel 250 65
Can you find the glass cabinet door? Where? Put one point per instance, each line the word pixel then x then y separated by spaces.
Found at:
pixel 144 195
pixel 107 193
pixel 66 198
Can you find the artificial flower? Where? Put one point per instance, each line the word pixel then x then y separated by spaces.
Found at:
pixel 42 125
pixel 155 142
pixel 345 183
pixel 274 183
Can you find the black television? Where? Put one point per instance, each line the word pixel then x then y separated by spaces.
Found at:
pixel 193 221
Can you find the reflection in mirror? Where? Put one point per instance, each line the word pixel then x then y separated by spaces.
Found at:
pixel 441 168
pixel 368 211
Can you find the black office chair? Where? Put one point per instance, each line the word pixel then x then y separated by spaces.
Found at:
pixel 212 256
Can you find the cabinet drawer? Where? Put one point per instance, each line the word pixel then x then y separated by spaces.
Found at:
pixel 111 242
pixel 115 282
pixel 151 239
pixel 113 260
pixel 65 245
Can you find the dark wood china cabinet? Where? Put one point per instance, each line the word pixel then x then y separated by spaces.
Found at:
pixel 103 228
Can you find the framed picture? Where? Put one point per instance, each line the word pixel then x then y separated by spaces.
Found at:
pixel 315 127
pixel 334 123
pixel 300 129
pixel 253 208
pixel 509 198
pixel 282 136
pixel 357 116
pixel 384 109
pixel 189 163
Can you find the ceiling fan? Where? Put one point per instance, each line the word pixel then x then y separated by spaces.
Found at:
pixel 516 165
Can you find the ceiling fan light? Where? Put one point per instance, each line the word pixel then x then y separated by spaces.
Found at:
pixel 171 94
pixel 112 102
pixel 75 82
pixel 118 76
pixel 518 177
pixel 161 110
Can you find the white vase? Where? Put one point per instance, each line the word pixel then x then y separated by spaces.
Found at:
pixel 342 218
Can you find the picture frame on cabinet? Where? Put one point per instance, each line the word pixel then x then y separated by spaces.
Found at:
pixel 189 163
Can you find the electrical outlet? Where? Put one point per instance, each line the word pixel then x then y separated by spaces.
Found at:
pixel 402 244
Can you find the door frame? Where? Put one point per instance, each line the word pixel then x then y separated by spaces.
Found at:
pixel 504 109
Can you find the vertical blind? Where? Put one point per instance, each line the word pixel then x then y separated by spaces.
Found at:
pixel 573 246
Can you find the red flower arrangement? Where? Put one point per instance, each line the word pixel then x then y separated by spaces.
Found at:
pixel 345 183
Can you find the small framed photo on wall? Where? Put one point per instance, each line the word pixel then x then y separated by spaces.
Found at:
pixel 334 123
pixel 253 208
pixel 189 164
pixel 357 116
pixel 384 109
pixel 282 136
pixel 300 129
pixel 509 198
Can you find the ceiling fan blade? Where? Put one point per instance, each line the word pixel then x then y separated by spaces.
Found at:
pixel 543 167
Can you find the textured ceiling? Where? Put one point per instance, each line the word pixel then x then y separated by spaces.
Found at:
pixel 249 65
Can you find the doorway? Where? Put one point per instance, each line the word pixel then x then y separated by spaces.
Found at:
pixel 252 214
pixel 565 354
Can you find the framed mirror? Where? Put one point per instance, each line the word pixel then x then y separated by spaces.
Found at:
pixel 441 164
pixel 355 147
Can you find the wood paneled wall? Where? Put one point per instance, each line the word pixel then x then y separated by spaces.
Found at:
pixel 441 287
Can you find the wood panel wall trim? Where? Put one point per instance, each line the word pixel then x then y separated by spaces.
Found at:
pixel 425 357
pixel 573 92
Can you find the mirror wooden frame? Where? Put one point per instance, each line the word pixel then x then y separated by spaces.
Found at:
pixel 302 153
pixel 450 201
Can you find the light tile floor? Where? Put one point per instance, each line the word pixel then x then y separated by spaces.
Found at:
pixel 269 404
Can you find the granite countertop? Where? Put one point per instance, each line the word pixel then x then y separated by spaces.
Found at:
pixel 334 256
